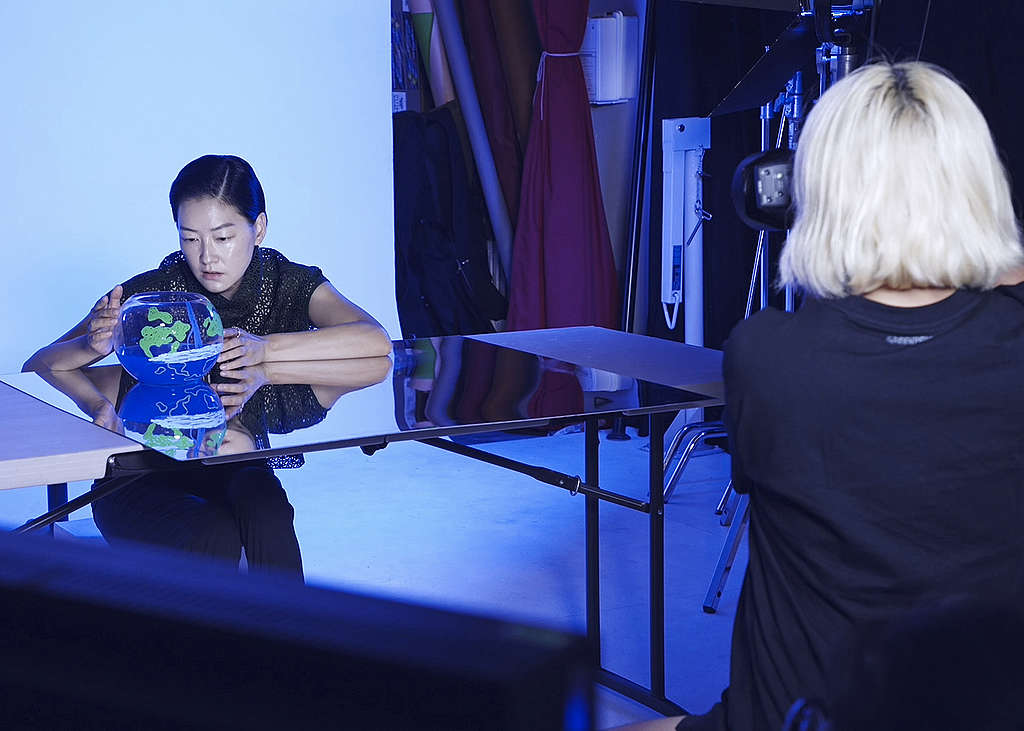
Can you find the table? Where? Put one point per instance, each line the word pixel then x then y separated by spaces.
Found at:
pixel 439 391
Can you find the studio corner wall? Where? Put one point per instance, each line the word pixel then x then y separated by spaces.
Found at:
pixel 104 102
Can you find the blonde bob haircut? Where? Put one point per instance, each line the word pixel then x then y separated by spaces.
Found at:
pixel 897 184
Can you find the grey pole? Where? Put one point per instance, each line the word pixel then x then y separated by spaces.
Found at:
pixel 462 77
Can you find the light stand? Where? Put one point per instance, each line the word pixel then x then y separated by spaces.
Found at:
pixel 836 57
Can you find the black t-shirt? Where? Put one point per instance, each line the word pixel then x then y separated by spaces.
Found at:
pixel 883 452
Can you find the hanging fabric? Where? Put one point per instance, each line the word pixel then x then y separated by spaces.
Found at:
pixel 432 51
pixel 519 48
pixel 563 271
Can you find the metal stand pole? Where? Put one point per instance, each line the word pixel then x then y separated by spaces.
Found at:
pixel 638 180
pixel 657 556
pixel 793 113
pixel 593 543
pixel 762 237
pixel 638 183
pixel 462 76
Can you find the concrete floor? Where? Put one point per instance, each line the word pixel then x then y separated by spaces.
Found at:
pixel 420 524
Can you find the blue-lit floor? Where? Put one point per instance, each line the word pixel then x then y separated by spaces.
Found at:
pixel 420 524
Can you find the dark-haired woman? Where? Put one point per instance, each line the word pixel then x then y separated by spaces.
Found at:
pixel 273 310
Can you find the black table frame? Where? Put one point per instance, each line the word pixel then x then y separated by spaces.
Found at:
pixel 129 467
pixel 653 697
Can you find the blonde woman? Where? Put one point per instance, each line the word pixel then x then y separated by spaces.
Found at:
pixel 879 430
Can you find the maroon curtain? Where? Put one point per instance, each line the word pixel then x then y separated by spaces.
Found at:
pixel 563 272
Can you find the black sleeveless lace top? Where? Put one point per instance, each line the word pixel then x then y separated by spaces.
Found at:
pixel 273 297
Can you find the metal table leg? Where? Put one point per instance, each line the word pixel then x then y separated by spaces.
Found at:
pixel 654 696
pixel 593 543
pixel 56 496
pixel 657 556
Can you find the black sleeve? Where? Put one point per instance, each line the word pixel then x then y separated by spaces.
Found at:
pixel 732 378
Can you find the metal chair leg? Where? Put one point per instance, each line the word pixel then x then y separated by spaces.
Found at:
pixel 728 557
pixel 688 438
pixel 729 512
pixel 724 502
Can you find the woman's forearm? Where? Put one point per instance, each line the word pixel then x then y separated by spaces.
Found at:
pixel 345 372
pixel 77 386
pixel 64 355
pixel 352 340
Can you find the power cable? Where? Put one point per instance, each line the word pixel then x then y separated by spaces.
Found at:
pixel 924 28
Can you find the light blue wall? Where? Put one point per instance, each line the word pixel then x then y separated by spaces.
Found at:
pixel 103 102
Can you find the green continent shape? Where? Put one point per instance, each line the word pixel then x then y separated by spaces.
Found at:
pixel 180 331
pixel 162 442
pixel 164 317
pixel 154 336
pixel 213 325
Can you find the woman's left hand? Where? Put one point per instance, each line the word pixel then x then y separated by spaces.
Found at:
pixel 241 349
pixel 245 382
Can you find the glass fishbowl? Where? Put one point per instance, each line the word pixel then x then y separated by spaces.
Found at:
pixel 183 421
pixel 168 337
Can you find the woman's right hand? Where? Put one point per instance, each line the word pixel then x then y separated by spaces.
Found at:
pixel 102 319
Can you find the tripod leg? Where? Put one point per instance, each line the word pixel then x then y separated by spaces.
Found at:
pixel 728 557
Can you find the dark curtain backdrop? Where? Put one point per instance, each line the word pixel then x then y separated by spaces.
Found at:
pixel 979 42
pixel 703 50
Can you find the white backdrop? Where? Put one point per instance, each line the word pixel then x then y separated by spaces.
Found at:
pixel 103 103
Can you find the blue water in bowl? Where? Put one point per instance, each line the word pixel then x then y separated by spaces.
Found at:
pixel 182 421
pixel 167 372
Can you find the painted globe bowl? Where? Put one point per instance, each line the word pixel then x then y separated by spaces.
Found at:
pixel 168 337
pixel 183 420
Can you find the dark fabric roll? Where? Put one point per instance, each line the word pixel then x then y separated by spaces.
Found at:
pixel 519 47
pixel 495 106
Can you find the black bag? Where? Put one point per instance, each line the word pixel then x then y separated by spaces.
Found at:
pixel 442 279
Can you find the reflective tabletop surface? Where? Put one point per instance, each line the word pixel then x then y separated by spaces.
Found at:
pixel 426 388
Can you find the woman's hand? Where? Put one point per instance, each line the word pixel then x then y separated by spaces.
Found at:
pixel 101 321
pixel 241 349
pixel 247 381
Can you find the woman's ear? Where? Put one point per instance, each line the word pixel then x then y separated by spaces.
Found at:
pixel 261 228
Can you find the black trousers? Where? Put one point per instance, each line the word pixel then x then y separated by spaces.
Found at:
pixel 213 511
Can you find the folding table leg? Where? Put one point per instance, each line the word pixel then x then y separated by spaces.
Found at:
pixel 657 555
pixel 56 497
pixel 593 543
